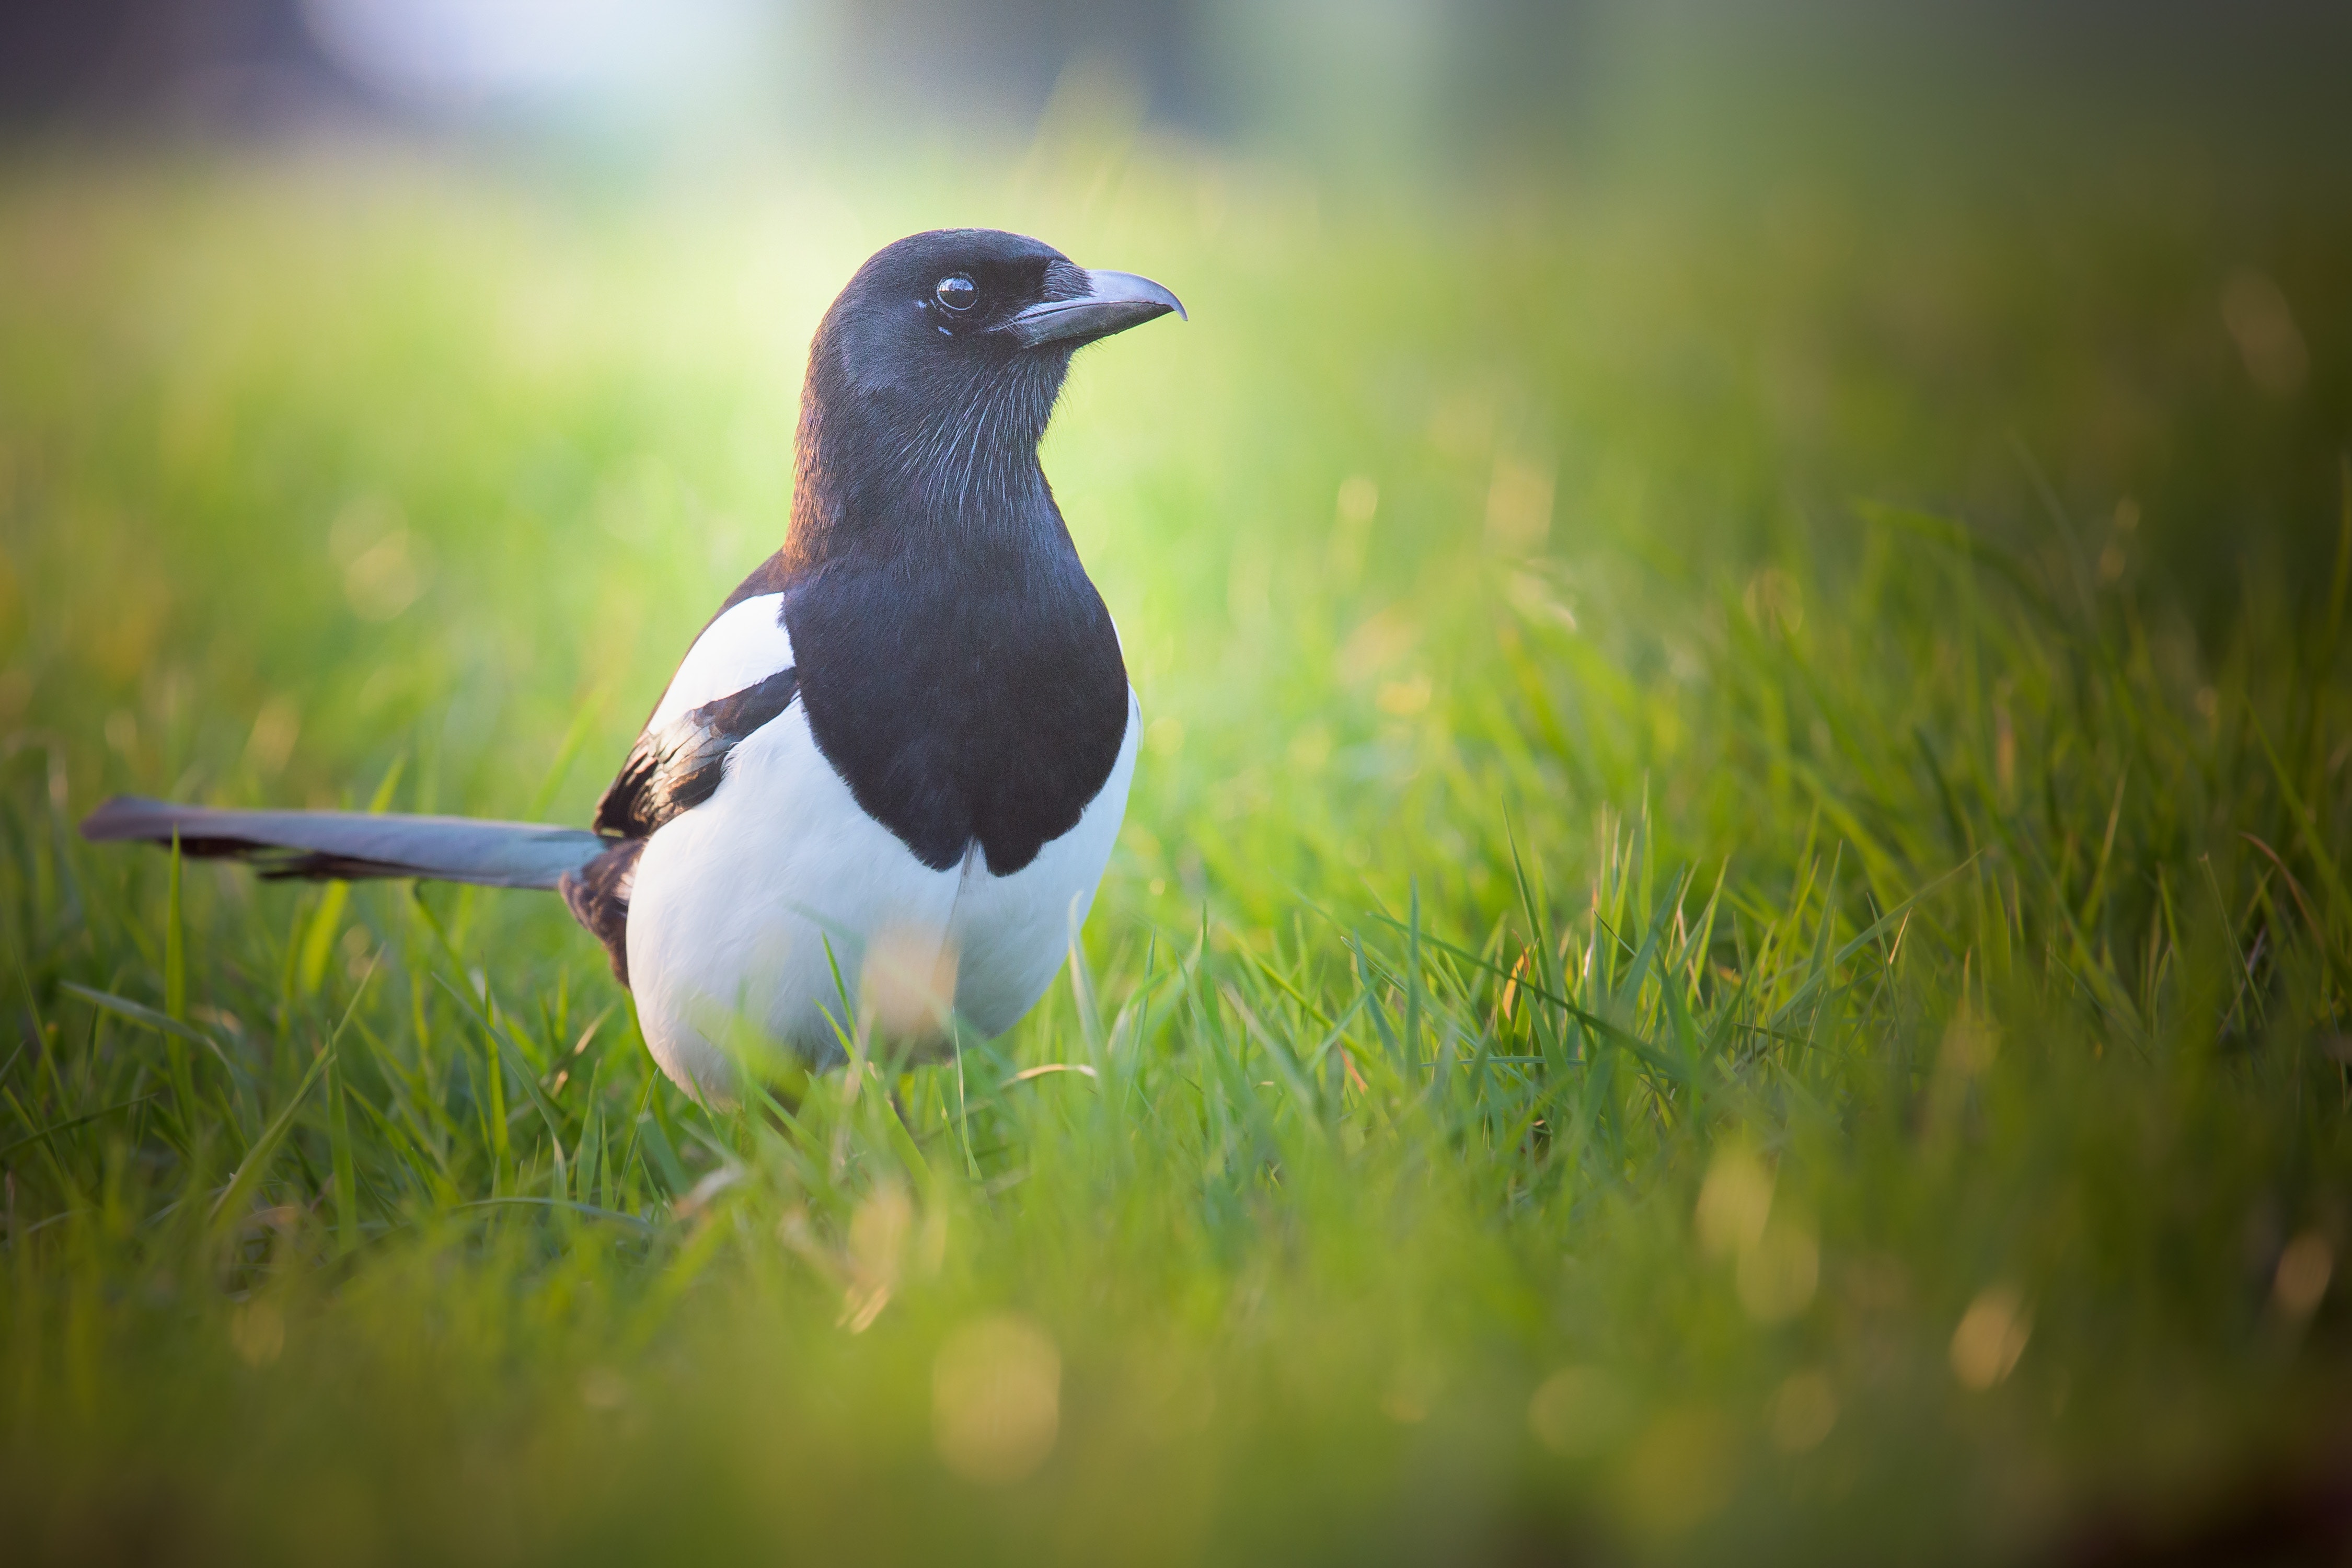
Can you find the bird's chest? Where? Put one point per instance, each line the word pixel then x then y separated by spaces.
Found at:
pixel 966 716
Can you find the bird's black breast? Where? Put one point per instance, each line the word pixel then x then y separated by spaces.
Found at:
pixel 978 699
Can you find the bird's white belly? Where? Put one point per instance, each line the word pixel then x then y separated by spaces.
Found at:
pixel 1011 932
pixel 737 901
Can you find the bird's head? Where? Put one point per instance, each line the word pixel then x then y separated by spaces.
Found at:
pixel 944 355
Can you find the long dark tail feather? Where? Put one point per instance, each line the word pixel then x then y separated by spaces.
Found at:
pixel 349 845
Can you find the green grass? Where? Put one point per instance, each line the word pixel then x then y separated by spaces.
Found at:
pixel 1732 941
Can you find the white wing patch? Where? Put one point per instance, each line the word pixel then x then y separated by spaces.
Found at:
pixel 743 648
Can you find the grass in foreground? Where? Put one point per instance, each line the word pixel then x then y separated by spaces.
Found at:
pixel 1644 1009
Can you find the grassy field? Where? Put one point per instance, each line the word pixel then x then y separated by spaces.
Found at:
pixel 1732 943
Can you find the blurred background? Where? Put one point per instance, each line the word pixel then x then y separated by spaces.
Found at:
pixel 2030 134
pixel 1385 88
pixel 1815 445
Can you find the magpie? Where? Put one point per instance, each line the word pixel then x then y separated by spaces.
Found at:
pixel 910 728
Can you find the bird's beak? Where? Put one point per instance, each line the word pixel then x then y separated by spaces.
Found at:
pixel 1113 303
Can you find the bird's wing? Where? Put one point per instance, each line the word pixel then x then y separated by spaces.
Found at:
pixel 737 676
pixel 675 766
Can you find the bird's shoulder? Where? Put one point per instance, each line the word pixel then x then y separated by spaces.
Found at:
pixel 744 644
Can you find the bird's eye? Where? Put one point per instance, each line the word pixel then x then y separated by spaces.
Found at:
pixel 957 293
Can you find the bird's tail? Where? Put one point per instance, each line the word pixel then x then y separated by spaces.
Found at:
pixel 349 845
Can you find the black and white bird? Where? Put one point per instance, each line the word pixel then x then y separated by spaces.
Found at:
pixel 911 726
